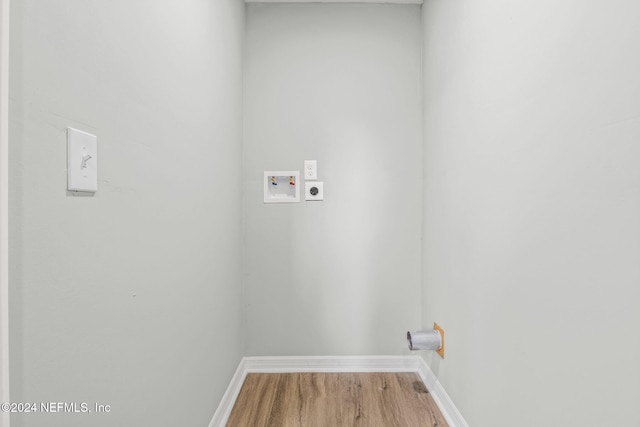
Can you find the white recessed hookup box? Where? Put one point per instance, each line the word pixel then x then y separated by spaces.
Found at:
pixel 282 186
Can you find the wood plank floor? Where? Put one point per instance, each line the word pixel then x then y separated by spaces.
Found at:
pixel 335 399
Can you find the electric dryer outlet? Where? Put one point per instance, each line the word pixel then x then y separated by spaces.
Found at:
pixel 313 190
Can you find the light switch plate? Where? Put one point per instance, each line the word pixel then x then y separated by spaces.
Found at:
pixel 82 161
pixel 314 187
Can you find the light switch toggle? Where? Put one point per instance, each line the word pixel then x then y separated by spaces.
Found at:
pixel 85 159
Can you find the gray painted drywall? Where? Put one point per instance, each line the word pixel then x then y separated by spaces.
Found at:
pixel 4 207
pixel 339 84
pixel 532 209
pixel 131 297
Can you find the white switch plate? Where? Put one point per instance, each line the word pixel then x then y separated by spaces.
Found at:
pixel 308 189
pixel 82 161
pixel 310 169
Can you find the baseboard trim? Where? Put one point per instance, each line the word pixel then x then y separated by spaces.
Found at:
pixel 331 364
pixel 337 364
pixel 451 414
pixel 230 395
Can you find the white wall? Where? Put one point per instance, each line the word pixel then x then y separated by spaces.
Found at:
pixel 340 84
pixel 132 297
pixel 532 207
pixel 4 203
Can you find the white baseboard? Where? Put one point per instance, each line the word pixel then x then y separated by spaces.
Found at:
pixel 337 364
pixel 445 404
pixel 331 364
pixel 233 390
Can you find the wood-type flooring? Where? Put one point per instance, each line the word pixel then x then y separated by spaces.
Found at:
pixel 335 400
